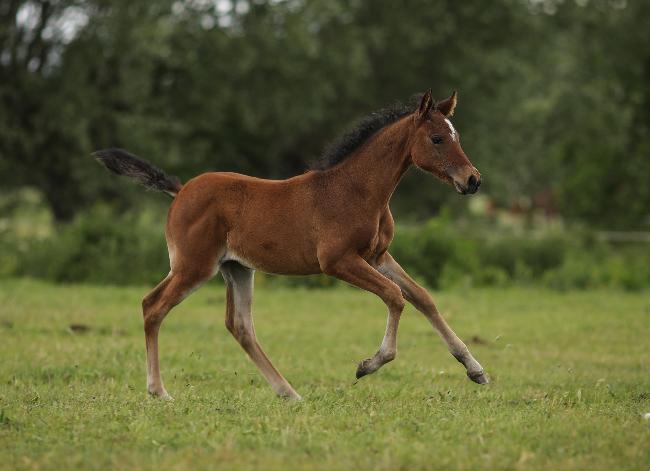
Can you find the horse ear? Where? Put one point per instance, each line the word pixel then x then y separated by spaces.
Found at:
pixel 448 105
pixel 425 105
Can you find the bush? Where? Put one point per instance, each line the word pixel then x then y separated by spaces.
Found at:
pixel 583 269
pixel 443 255
pixel 518 255
pixel 435 251
pixel 102 246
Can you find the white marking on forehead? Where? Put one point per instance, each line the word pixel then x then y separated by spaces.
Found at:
pixel 454 135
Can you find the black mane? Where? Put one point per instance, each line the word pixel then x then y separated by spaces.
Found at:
pixel 345 145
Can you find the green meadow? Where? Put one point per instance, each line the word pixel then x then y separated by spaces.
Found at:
pixel 570 384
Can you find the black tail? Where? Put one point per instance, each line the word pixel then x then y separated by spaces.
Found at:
pixel 121 162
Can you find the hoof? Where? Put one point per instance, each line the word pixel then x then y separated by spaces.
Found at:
pixel 164 395
pixel 364 368
pixel 290 396
pixel 478 377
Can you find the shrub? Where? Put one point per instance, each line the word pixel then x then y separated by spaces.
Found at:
pixel 103 246
pixel 443 255
pixel 434 251
pixel 585 269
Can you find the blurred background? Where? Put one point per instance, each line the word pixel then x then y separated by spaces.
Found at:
pixel 554 110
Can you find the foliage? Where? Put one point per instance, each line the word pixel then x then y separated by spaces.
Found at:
pixel 553 94
pixel 103 246
pixel 569 383
pixel 99 248
pixel 444 254
pixel 581 270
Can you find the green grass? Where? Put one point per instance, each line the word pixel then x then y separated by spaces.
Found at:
pixel 570 382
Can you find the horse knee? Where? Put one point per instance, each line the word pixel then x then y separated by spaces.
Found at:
pixel 148 309
pixel 151 323
pixel 398 303
pixel 394 300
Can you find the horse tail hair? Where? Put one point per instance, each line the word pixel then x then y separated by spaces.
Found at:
pixel 123 163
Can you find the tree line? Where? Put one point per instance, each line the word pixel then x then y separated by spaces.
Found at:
pixel 553 95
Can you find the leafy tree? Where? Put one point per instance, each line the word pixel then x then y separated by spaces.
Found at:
pixel 553 94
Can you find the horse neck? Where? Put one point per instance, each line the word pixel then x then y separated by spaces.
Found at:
pixel 375 169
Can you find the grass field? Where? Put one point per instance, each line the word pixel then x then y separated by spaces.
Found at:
pixel 570 382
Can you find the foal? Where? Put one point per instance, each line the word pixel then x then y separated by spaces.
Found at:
pixel 332 220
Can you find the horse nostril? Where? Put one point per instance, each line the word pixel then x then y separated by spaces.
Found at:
pixel 471 183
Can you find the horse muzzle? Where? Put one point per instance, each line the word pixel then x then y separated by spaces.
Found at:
pixel 468 187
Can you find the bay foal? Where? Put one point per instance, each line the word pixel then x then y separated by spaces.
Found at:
pixel 334 220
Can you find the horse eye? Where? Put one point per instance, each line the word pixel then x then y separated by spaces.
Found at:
pixel 437 139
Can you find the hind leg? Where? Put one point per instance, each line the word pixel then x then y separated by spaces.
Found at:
pixel 155 306
pixel 239 321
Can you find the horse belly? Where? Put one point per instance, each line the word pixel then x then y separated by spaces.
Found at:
pixel 274 247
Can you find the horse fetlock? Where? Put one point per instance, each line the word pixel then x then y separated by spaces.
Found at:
pixel 370 365
pixel 464 357
pixel 387 355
